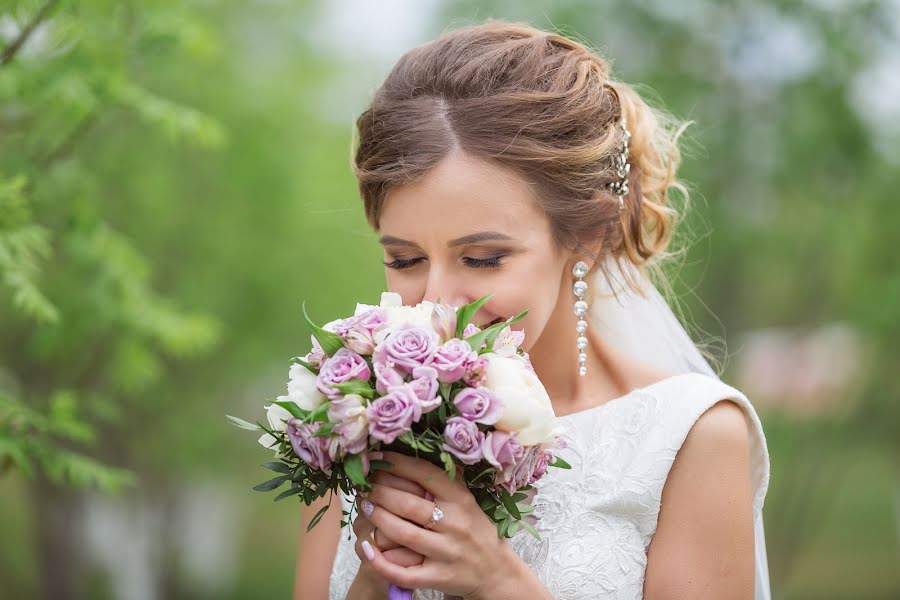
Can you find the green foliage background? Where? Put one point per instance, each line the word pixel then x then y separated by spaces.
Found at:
pixel 172 187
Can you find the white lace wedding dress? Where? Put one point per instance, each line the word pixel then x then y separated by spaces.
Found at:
pixel 596 520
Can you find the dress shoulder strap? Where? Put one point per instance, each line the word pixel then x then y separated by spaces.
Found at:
pixel 684 398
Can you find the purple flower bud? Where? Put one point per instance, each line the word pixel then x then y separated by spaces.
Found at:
pixel 479 405
pixel 463 439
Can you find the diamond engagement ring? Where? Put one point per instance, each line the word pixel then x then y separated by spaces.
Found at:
pixel 436 515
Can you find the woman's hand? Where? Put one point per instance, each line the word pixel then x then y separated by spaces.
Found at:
pixel 463 555
pixel 366 530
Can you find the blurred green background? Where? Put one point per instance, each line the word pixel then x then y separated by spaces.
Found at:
pixel 174 181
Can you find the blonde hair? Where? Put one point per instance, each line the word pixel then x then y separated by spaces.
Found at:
pixel 543 105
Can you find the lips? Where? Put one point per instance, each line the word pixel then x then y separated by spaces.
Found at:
pixel 495 321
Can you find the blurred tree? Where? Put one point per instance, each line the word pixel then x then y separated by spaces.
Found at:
pixel 85 332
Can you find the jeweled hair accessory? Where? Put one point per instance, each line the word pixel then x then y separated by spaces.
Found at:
pixel 623 167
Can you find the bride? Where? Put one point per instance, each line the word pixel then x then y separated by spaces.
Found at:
pixel 503 159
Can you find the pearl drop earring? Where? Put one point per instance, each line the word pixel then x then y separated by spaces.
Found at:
pixel 579 288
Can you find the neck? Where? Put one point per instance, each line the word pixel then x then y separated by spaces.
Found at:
pixel 555 359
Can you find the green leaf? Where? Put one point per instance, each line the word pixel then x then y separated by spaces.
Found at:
pixel 379 464
pixel 354 469
pixel 299 361
pixel 526 525
pixel 356 386
pixel 271 484
pixel 324 430
pixel 242 423
pixel 288 493
pixel 507 501
pixel 519 496
pixel 330 342
pixel 317 517
pixel 465 313
pixel 513 528
pixel 487 336
pixel 292 408
pixel 320 413
pixel 279 467
pixel 560 463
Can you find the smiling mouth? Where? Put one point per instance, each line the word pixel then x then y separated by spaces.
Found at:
pixel 494 322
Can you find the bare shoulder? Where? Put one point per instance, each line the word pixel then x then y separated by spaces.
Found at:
pixel 703 545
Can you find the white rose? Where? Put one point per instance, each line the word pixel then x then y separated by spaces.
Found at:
pixel 526 405
pixel 396 313
pixel 302 389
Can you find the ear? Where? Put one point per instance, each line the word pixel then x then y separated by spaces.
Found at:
pixel 588 251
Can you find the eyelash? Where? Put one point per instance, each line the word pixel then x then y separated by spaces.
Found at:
pixel 475 263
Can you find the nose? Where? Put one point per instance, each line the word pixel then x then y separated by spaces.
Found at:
pixel 442 287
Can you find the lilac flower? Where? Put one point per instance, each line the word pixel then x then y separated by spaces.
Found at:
pixel 393 414
pixel 345 365
pixel 470 330
pixel 479 405
pixel 463 439
pixel 407 346
pixel 451 360
pixel 311 449
pixel 443 319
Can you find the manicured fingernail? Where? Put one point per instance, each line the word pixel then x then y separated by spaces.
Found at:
pixel 367 549
pixel 368 507
pixel 377 455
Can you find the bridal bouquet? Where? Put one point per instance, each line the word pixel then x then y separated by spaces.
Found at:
pixel 422 380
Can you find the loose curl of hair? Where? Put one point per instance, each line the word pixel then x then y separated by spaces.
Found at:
pixel 546 107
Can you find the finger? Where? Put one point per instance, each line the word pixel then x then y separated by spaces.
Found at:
pixel 403 504
pixel 403 557
pixel 426 542
pixel 401 483
pixel 429 476
pixel 385 542
pixel 417 576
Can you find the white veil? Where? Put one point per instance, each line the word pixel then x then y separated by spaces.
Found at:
pixel 647 329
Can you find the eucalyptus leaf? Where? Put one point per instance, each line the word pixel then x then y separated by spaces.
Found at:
pixel 288 493
pixel 271 484
pixel 243 424
pixel 280 467
pixel 317 517
pixel 507 501
pixel 560 463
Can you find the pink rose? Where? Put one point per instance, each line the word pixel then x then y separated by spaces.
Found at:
pixel 393 414
pixel 312 450
pixel 463 439
pixel 386 377
pixel 451 360
pixel 425 386
pixel 479 405
pixel 476 372
pixel 358 331
pixel 348 417
pixel 503 451
pixel 406 347
pixel 345 365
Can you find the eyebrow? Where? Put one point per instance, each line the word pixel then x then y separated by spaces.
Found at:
pixel 481 236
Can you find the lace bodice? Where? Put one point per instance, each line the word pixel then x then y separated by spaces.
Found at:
pixel 596 521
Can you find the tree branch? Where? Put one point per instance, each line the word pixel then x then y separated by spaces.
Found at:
pixel 10 51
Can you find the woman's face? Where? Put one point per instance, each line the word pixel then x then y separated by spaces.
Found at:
pixel 467 229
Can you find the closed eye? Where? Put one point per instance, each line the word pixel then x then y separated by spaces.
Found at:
pixel 475 263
